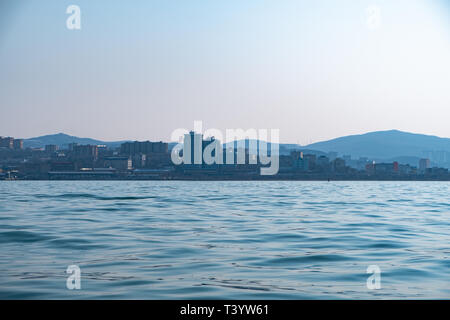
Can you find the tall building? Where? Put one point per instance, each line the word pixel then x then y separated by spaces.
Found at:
pixel 7 142
pixel 85 151
pixel 296 155
pixel 298 162
pixel 309 161
pixel 396 166
pixel 424 164
pixel 18 144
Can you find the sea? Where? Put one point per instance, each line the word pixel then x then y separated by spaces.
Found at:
pixel 224 240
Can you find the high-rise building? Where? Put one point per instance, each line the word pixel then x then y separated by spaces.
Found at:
pixel 85 151
pixel 424 164
pixel 296 155
pixel 18 144
pixel 310 161
pixel 7 142
pixel 298 163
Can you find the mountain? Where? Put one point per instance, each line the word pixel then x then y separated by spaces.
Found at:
pixel 381 146
pixel 62 140
pixel 392 144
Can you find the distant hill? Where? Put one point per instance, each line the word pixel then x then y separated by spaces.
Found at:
pixel 389 145
pixel 62 140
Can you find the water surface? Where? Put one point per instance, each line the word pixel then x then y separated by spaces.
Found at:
pixel 224 240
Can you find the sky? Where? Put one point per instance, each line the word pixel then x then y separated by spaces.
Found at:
pixel 138 70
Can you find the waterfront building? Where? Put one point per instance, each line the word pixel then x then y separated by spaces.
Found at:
pixel 118 163
pixel 424 164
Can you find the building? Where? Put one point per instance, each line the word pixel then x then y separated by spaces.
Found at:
pixel 424 164
pixel 323 162
pixel 396 166
pixel 84 156
pixel 62 166
pixel 360 164
pixel 298 162
pixel 338 165
pixel 118 163
pixel 405 169
pixel 370 168
pixel 437 172
pixel 7 142
pixel 71 146
pixel 139 160
pixel 160 147
pixel 85 151
pixel 143 147
pixel 18 144
pixel 51 148
pixel 309 162
pixel 385 168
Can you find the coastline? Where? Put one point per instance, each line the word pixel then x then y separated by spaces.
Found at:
pixel 241 179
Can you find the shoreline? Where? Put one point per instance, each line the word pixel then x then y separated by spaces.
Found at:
pixel 263 179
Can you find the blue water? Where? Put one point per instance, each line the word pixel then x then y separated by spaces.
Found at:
pixel 224 240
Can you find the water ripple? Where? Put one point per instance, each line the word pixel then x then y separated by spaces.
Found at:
pixel 228 240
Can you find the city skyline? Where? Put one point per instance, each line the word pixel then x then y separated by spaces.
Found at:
pixel 381 145
pixel 313 70
pixel 201 158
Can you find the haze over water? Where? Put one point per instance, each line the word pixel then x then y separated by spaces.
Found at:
pixel 224 240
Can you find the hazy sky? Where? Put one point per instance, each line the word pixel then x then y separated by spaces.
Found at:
pixel 140 69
